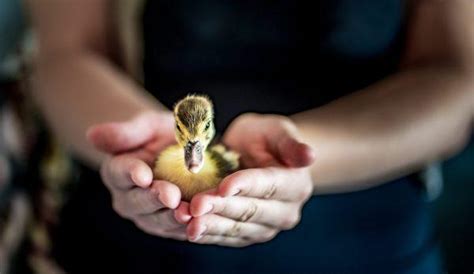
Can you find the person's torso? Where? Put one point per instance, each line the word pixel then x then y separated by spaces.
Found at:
pixel 268 56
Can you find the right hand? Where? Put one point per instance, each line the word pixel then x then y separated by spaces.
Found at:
pixel 132 147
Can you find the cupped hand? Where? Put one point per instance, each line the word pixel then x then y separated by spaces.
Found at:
pixel 254 204
pixel 267 140
pixel 127 173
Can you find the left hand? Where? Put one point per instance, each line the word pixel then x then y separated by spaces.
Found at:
pixel 254 204
pixel 132 147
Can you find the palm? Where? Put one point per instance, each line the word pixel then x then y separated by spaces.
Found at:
pixel 266 140
pixel 253 148
pixel 149 151
pixel 143 137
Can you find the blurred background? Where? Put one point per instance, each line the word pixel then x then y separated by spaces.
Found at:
pixel 24 226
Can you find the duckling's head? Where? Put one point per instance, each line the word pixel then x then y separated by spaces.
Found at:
pixel 194 129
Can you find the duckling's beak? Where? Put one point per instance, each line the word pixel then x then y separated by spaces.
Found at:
pixel 193 156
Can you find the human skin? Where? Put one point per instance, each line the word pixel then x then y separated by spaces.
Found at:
pixel 427 111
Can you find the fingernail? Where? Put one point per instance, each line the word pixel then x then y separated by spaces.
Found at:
pixel 186 218
pixel 234 192
pixel 195 239
pixel 136 178
pixel 208 208
pixel 228 193
pixel 201 230
pixel 183 218
pixel 141 178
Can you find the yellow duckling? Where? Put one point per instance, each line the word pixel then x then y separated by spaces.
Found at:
pixel 192 164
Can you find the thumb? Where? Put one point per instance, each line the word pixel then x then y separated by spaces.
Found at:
pixel 115 137
pixel 292 152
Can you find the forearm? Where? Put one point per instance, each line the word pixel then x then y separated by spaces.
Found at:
pixel 77 90
pixel 389 129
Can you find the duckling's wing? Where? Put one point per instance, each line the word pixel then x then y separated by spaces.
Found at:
pixel 225 160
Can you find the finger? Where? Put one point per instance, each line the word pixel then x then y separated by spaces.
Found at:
pixel 295 154
pixel 271 213
pixel 216 225
pixel 141 201
pixel 159 144
pixel 182 214
pixel 199 202
pixel 289 150
pixel 160 222
pixel 176 234
pixel 117 137
pixel 268 183
pixel 149 157
pixel 179 234
pixel 222 241
pixel 154 198
pixel 170 195
pixel 259 158
pixel 124 172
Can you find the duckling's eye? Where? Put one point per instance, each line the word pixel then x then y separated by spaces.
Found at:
pixel 208 125
pixel 178 128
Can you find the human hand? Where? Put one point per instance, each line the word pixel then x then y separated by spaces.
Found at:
pixel 127 173
pixel 254 204
pixel 267 140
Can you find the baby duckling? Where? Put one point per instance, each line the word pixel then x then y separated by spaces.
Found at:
pixel 192 164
